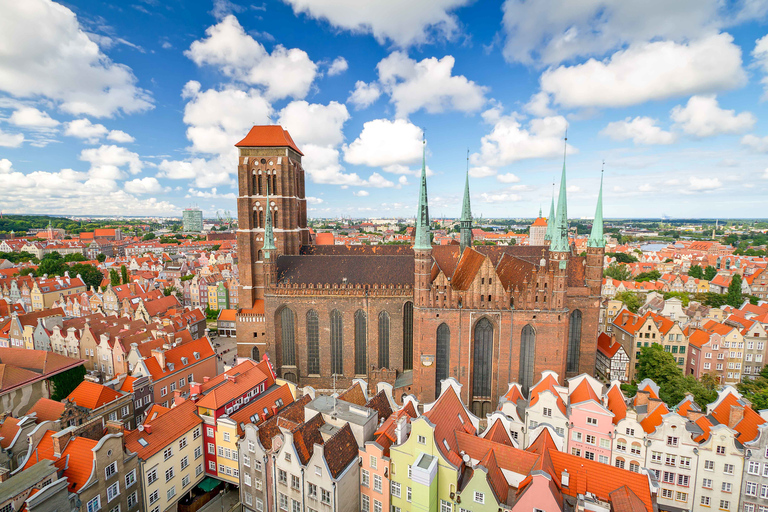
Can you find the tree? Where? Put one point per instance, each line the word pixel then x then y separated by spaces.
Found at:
pixel 114 277
pixel 52 264
pixel 696 272
pixel 90 274
pixel 75 256
pixel 630 299
pixel 622 257
pixel 710 272
pixel 101 257
pixel 148 236
pixel 66 382
pixel 756 390
pixel 684 297
pixel 656 364
pixel 618 272
pixel 733 297
pixel 652 275
pixel 124 274
pixel 675 389
pixel 168 290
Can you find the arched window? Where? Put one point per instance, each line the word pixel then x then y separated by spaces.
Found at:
pixel 620 463
pixel 274 184
pixel 261 218
pixel 274 218
pixel 483 355
pixel 408 336
pixel 383 339
pixel 442 356
pixel 258 179
pixel 287 339
pixel 255 353
pixel 527 356
pixel 574 342
pixel 361 344
pixel 337 344
pixel 313 343
pixel 259 256
pixel 634 466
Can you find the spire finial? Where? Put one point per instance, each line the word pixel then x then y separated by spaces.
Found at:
pixel 422 241
pixel 559 241
pixel 465 223
pixel 597 237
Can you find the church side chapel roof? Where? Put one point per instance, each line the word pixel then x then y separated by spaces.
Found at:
pixel 357 250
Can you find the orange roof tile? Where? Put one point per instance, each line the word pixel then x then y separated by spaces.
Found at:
pixel 354 395
pixel 227 315
pixel 605 346
pixel 747 427
pixel 154 412
pixel 617 403
pixel 450 418
pixel 583 393
pixel 498 434
pixel 174 357
pixel 654 419
pixel 514 394
pixel 92 395
pixel 269 400
pixel 47 410
pixel 76 459
pixel 541 221
pixel 507 457
pixel 228 390
pixel 268 136
pixel 548 383
pixel 163 430
pixel 8 431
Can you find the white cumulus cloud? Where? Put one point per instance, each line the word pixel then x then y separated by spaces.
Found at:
pixel 428 84
pixel 703 184
pixel 648 71
pixel 755 143
pixel 30 117
pixel 11 140
pixel 85 129
pixel 703 117
pixel 314 123
pixel 282 73
pixel 338 66
pixel 640 130
pixel 120 136
pixel 385 143
pixel 48 54
pixel 141 186
pixel 403 22
pixel 109 162
pixel 364 94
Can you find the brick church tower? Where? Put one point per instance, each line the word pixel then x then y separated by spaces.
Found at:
pixel 269 163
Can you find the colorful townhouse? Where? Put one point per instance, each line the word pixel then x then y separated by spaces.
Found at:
pixel 508 408
pixel 628 451
pixel 754 484
pixel 590 422
pixel 546 409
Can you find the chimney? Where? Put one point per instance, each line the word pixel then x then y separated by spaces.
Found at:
pixel 4 474
pixel 206 379
pixel 641 398
pixel 624 317
pixel 159 354
pixel 401 430
pixel 114 427
pixel 177 398
pixel 148 428
pixel 60 441
pixel 737 414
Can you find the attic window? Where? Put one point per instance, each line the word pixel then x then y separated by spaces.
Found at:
pixel 184 360
pixel 196 354
pixel 170 366
pixel 143 442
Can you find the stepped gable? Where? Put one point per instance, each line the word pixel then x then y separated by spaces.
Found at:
pixel 357 250
pixel 306 436
pixel 293 413
pixel 380 404
pixel 352 270
pixel 340 450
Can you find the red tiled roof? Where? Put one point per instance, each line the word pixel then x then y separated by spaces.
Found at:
pixel 47 410
pixel 514 394
pixel 583 393
pixel 92 395
pixel 306 436
pixel 498 434
pixel 8 431
pixel 293 413
pixel 76 459
pixel 163 430
pixel 747 427
pixel 173 356
pixel 616 403
pixel 267 401
pixel 654 419
pixel 604 345
pixel 268 136
pixel 228 390
pixel 340 450
pixel 449 417
pixel 354 395
pixel 507 457
pixel 548 383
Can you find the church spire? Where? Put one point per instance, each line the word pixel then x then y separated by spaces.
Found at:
pixel 422 241
pixel 596 237
pixel 551 218
pixel 560 234
pixel 269 236
pixel 465 222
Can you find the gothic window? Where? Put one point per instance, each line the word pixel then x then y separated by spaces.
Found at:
pixel 255 353
pixel 527 356
pixel 258 179
pixel 261 218
pixel 361 344
pixel 274 184
pixel 408 336
pixel 383 339
pixel 442 356
pixel 337 344
pixel 483 354
pixel 274 218
pixel 313 343
pixel 287 337
pixel 574 342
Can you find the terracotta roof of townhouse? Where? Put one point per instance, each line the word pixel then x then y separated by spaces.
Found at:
pixel 624 499
pixel 268 136
pixel 31 318
pixel 514 393
pixel 605 345
pixel 698 338
pixel 380 403
pixel 306 436
pixel 164 429
pixel 540 221
pixel 161 305
pixel 654 419
pixel 127 385
pixel 495 477
pixel 616 403
pixel 747 426
pixel 154 412
pixel 92 395
pixel 599 479
pixel 294 413
pixel 271 401
pixel 497 433
pixel 354 395
pixel 718 328
pixel 241 368
pixel 232 387
pixel 385 434
pixel 449 416
pixel 583 393
pixel 76 460
pixel 8 431
pixel 547 383
pixel 340 450
pixel 227 315
pixel 55 284
pixel 508 457
pixel 47 410
pixel 174 358
pixel 20 366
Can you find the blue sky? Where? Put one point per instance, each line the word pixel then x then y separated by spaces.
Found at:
pixel 134 107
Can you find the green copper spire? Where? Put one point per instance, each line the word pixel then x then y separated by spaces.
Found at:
pixel 269 236
pixel 422 241
pixel 559 241
pixel 551 218
pixel 465 222
pixel 596 237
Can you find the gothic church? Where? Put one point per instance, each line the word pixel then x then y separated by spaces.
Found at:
pixel 409 315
